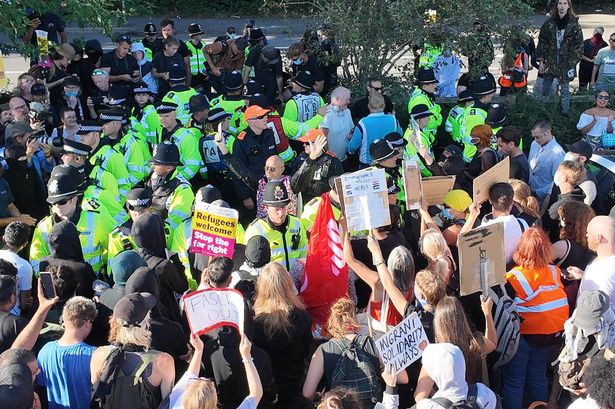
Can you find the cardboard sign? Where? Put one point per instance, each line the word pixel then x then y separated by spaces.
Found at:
pixel 403 344
pixel 436 187
pixel 3 79
pixel 213 230
pixel 482 246
pixel 413 188
pixel 498 173
pixel 212 308
pixel 366 202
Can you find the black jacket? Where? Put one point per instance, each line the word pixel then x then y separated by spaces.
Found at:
pixel 312 176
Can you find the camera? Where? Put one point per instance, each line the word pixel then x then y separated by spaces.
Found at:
pixel 56 141
pixel 38 113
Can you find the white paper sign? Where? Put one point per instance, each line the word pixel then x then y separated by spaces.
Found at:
pixel 212 308
pixel 404 344
pixel 365 199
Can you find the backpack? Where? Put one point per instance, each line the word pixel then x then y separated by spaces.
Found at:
pixel 354 369
pixel 128 390
pixel 468 403
pixel 507 325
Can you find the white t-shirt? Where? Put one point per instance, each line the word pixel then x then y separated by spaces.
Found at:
pixel 600 275
pixel 340 126
pixel 24 275
pixel 512 232
pixel 587 403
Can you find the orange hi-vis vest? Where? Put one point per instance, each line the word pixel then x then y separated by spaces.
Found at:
pixel 540 299
pixel 514 76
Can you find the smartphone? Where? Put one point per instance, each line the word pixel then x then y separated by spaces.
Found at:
pixel 49 290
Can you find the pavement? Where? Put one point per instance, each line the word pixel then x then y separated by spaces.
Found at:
pixel 281 32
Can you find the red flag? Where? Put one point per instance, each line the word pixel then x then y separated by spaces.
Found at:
pixel 326 274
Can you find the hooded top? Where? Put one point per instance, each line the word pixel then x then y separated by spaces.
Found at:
pixel 148 234
pixel 445 365
pixel 64 241
pixel 144 280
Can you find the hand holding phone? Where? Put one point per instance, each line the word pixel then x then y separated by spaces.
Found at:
pixel 49 291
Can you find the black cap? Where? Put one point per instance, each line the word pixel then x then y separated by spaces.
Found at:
pixel 113 114
pixel 16 388
pixel 304 79
pixel 123 38
pixel 256 34
pixel 117 96
pixel 465 96
pixel 71 80
pixel 453 150
pixel 496 115
pixel 177 73
pixel 253 89
pixel 166 106
pixel 453 165
pixel 38 90
pixel 198 102
pixel 216 114
pixel 233 81
pixel 194 29
pixel 133 308
pixel 581 147
pixel 420 111
pixel 275 194
pixel 149 29
pixel 271 53
pixel 257 252
pixel 78 148
pixel 166 153
pixel 138 199
pixel 380 150
pixel 141 88
pixel 395 139
pixel 78 175
pixel 426 76
pixel 89 125
pixel 485 85
pixel 62 184
pixel 208 194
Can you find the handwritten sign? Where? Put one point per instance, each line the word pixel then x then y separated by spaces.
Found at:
pixel 404 344
pixel 212 308
pixel 213 230
pixel 482 246
pixel 413 188
pixel 498 173
pixel 365 199
pixel 436 187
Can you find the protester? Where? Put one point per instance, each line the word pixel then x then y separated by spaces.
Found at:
pixel 545 156
pixel 603 76
pixel 509 144
pixel 597 120
pixel 591 46
pixel 337 125
pixel 525 204
pixel 16 237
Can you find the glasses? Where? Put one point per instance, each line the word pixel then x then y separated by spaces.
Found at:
pixel 270 169
pixel 604 97
pixel 378 89
pixel 258 118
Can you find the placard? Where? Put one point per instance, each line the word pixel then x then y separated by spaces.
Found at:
pixel 483 245
pixel 436 187
pixel 3 79
pixel 403 344
pixel 500 172
pixel 213 230
pixel 366 202
pixel 413 189
pixel 212 308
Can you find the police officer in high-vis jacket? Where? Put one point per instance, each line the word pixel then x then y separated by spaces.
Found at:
pixel 483 89
pixel 232 99
pixel 93 221
pixel 425 93
pixel 179 94
pixel 198 63
pixel 285 233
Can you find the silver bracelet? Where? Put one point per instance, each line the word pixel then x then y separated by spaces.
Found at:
pixel 247 361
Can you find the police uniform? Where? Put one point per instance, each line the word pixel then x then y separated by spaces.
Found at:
pixel 424 138
pixel 145 122
pixel 198 63
pixel 230 103
pixel 91 219
pixel 288 242
pixel 185 141
pixel 304 105
pixel 310 210
pixel 179 94
pixel 418 96
pixel 214 167
pixel 455 115
pixel 475 114
pixel 172 195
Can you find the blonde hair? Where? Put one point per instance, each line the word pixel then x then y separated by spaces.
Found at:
pixel 275 299
pixel 523 197
pixel 431 286
pixel 78 310
pixel 200 394
pixel 120 333
pixel 574 171
pixel 434 247
pixel 342 318
pixel 375 102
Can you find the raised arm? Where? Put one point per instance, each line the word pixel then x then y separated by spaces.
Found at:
pixel 366 274
pixel 254 381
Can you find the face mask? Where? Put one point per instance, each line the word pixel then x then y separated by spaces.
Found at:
pixel 558 178
pixel 569 156
pixel 446 214
pixel 71 93
pixel 232 36
pixel 298 61
pixel 335 108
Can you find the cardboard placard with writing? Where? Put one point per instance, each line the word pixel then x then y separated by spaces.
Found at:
pixel 213 230
pixel 366 202
pixel 413 188
pixel 500 172
pixel 403 344
pixel 212 308
pixel 482 246
pixel 436 187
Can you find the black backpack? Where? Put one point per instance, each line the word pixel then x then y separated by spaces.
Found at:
pixel 468 403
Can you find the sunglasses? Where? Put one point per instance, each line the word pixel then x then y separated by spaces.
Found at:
pixel 270 168
pixel 605 97
pixel 376 88
pixel 63 202
pixel 258 118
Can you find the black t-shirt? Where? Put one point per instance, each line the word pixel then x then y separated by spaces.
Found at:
pixel 183 50
pixel 6 198
pixel 520 168
pixel 52 24
pixel 10 327
pixel 263 72
pixel 127 65
pixel 312 66
pixel 359 109
pixel 163 64
pixel 155 45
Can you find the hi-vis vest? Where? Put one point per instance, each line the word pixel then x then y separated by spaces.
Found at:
pixel 541 301
pixel 197 58
pixel 307 106
pixel 514 76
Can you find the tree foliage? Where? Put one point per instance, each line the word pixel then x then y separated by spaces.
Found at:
pixel 377 36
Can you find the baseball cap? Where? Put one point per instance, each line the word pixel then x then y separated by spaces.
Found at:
pixel 65 50
pixel 149 29
pixel 311 135
pixel 38 90
pixel 453 150
pixel 254 111
pixel 581 147
pixel 123 38
pixel 458 199
pixel 271 53
pixel 133 308
pixel 16 386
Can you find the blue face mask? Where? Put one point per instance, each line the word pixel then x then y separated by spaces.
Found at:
pixel 298 61
pixel 446 214
pixel 71 93
pixel 232 36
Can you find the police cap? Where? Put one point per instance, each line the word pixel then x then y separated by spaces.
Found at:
pixel 77 148
pixel 426 76
pixel 138 199
pixel 62 184
pixel 166 153
pixel 233 81
pixel 198 102
pixel 304 79
pixel 275 195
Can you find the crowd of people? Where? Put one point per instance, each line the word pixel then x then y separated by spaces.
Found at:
pixel 107 155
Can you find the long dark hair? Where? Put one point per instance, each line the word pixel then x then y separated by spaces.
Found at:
pixel 555 14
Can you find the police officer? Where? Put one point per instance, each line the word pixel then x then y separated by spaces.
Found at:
pixel 91 218
pixel 125 143
pixel 199 108
pixel 179 94
pixel 104 155
pixel 305 101
pixel 184 139
pixel 285 233
pixel 476 114
pixel 418 137
pixel 172 195
pixel 453 120
pixel 232 99
pixel 144 120
pixel 425 93
pixel 198 63
pixel 151 43
pixel 310 209
pixel 214 169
